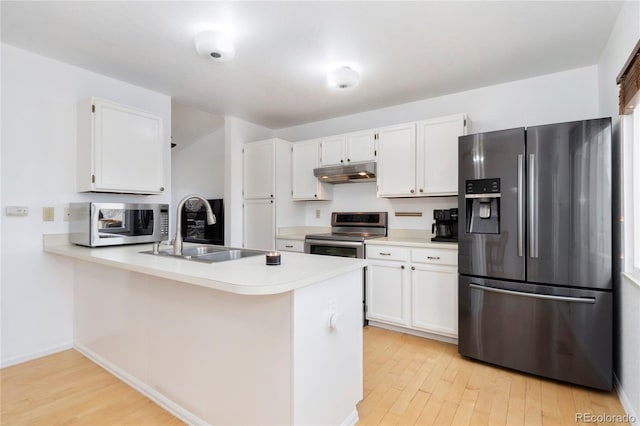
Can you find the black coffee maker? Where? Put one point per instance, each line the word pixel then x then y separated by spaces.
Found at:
pixel 445 226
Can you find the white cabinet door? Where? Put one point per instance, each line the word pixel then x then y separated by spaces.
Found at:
pixel 434 299
pixel 121 150
pixel 396 161
pixel 361 147
pixel 259 224
pixel 259 166
pixel 305 156
pixel 437 154
pixel 387 292
pixel 332 151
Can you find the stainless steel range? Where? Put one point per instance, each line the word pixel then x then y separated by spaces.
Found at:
pixel 349 231
pixel 348 234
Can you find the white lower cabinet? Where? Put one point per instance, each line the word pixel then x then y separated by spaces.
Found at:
pixel 434 299
pixel 290 245
pixel 387 290
pixel 420 293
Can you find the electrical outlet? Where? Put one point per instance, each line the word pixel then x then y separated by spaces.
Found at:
pixel 317 213
pixel 66 214
pixel 48 214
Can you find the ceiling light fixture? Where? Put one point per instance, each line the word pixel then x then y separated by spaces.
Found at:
pixel 343 78
pixel 214 45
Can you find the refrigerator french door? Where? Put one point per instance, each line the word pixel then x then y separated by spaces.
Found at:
pixel 535 250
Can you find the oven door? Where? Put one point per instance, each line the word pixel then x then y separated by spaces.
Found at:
pixel 334 248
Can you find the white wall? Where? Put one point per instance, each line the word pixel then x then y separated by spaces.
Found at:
pixel 198 168
pixel 564 96
pixel 623 38
pixel 237 133
pixel 39 98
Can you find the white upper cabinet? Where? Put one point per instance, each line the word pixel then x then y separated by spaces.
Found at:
pixel 396 167
pixel 259 170
pixel 119 149
pixel 437 154
pixel 332 150
pixel 360 147
pixel 420 159
pixel 305 156
pixel 348 148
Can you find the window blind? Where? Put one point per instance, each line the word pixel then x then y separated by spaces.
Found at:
pixel 629 81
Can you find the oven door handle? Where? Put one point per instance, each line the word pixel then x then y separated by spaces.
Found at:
pixel 333 243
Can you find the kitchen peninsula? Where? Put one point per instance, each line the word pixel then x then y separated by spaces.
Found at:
pixel 235 342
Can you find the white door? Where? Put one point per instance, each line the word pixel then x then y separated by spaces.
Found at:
pixel 396 161
pixel 259 170
pixel 434 299
pixel 259 224
pixel 128 151
pixel 437 158
pixel 305 158
pixel 332 151
pixel 387 292
pixel 361 146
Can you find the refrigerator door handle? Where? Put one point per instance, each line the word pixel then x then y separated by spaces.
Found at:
pixel 520 234
pixel 533 208
pixel 535 295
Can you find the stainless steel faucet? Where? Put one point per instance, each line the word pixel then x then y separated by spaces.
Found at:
pixel 211 219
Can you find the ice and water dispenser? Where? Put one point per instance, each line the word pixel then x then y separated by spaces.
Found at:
pixel 482 197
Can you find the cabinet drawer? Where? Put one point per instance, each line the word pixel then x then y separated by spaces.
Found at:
pixel 387 253
pixel 290 245
pixel 435 256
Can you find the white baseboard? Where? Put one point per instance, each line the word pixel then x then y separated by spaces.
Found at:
pixel 39 354
pixel 626 402
pixel 151 393
pixel 418 333
pixel 351 419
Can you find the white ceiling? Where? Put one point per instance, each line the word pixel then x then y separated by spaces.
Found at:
pixel 404 51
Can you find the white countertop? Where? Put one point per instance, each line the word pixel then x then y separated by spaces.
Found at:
pixel 248 275
pixel 298 237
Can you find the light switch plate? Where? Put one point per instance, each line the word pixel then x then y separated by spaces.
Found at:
pixel 66 215
pixel 17 211
pixel 317 213
pixel 48 214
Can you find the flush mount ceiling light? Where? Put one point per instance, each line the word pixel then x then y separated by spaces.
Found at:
pixel 214 45
pixel 343 78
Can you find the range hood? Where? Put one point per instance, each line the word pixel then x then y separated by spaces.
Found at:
pixel 356 172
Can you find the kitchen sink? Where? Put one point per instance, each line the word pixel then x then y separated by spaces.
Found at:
pixel 207 253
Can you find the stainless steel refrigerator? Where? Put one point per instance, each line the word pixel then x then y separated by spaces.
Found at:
pixel 535 250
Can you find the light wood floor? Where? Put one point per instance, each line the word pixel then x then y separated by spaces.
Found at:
pixel 410 380
pixel 407 380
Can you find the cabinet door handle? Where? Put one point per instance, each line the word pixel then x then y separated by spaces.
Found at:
pixel 287 246
pixel 412 191
pixel 162 188
pixel 348 160
pixel 271 195
pixel 421 190
pixel 413 268
pixel 402 267
pixel 271 201
pixel 342 161
pixel 384 254
pixel 315 195
pixel 433 257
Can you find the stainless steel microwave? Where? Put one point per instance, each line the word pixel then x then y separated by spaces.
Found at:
pixel 112 224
